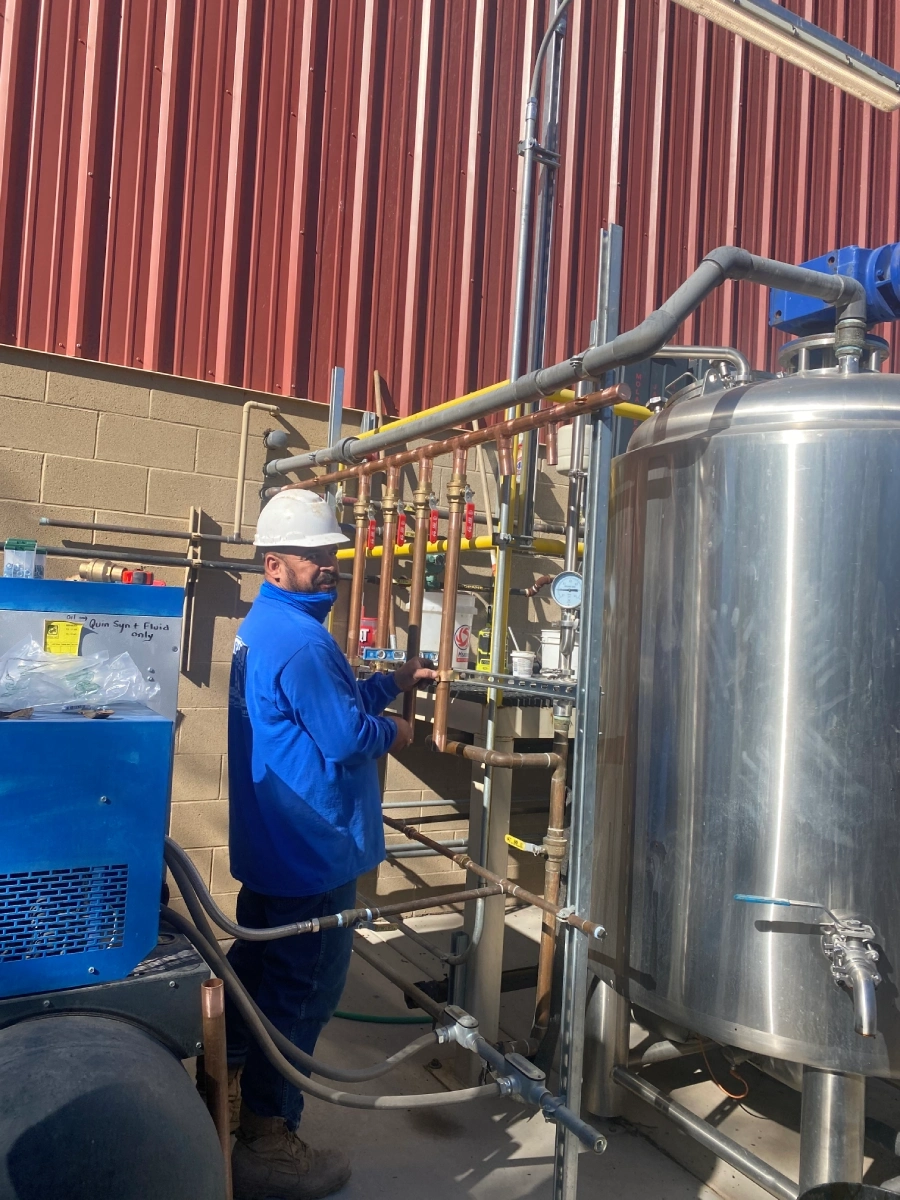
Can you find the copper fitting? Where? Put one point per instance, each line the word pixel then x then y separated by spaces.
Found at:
pixel 456 493
pixel 388 538
pixel 504 456
pixel 421 499
pixel 508 429
pixel 358 582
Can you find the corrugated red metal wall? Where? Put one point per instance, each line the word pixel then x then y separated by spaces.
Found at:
pixel 251 191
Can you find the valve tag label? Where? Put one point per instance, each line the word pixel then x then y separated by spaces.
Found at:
pixel 401 529
pixel 370 539
pixel 469 521
pixel 433 521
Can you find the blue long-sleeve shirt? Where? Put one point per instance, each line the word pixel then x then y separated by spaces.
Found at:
pixel 303 740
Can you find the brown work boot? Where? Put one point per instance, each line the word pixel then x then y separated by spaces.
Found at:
pixel 271 1163
pixel 234 1097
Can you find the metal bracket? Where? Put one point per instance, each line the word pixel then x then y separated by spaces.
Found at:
pixel 519 685
pixel 541 154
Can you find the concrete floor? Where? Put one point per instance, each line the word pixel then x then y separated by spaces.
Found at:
pixel 490 1150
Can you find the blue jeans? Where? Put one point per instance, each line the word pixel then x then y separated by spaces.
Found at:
pixel 296 981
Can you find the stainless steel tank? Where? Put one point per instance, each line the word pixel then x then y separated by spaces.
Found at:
pixel 751 716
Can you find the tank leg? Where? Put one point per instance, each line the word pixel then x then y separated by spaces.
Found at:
pixel 832 1128
pixel 605 1046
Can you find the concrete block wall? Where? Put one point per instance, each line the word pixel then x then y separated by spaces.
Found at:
pixel 89 442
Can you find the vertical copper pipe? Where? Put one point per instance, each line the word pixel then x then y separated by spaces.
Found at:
pixel 215 1065
pixel 504 456
pixel 555 847
pixel 358 583
pixel 421 496
pixel 456 492
pixel 389 538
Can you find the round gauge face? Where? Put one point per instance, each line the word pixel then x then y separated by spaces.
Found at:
pixel 567 589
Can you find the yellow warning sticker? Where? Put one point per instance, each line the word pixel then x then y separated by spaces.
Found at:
pixel 62 637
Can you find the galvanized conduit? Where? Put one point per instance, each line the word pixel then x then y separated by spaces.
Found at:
pixel 701 1131
pixel 645 340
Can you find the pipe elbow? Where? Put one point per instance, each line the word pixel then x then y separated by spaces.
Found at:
pixel 865 1004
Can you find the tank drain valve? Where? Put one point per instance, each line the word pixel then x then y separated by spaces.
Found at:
pixel 848 944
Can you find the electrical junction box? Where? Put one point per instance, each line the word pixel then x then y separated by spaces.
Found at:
pixel 877 270
pixel 82 821
pixel 144 621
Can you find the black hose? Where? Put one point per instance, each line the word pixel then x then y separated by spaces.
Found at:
pixel 256 1023
pixel 224 969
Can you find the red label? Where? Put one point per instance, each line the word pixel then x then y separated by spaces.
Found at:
pixel 370 539
pixel 470 520
pixel 433 522
pixel 401 529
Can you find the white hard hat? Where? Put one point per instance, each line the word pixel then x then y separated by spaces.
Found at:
pixel 296 518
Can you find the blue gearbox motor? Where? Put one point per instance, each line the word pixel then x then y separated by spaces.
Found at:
pixel 877 270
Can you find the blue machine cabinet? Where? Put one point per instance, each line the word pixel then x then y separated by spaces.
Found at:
pixel 83 807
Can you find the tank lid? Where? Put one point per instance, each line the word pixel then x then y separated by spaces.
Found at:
pixel 804 400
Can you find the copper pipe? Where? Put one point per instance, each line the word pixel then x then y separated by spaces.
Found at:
pixel 465 441
pixel 504 456
pixel 499 758
pixel 511 889
pixel 388 541
pixel 358 583
pixel 421 498
pixel 552 446
pixel 215 1066
pixel 456 493
pixel 555 843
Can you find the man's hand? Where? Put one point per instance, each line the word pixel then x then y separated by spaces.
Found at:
pixel 413 672
pixel 404 735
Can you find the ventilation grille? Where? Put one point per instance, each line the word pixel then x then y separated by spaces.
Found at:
pixel 66 911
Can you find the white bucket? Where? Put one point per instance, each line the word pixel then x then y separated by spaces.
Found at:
pixel 430 637
pixel 550 651
pixel 564 449
pixel 522 662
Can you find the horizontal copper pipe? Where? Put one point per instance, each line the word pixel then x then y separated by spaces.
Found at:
pixel 500 758
pixel 464 441
pixel 511 889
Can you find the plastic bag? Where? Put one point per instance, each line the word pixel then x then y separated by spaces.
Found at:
pixel 32 678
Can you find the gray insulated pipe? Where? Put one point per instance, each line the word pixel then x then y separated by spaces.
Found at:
pixel 727 262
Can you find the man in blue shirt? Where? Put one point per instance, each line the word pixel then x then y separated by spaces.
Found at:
pixel 304 737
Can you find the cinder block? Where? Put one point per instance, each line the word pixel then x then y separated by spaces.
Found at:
pixel 196 777
pixel 18 519
pixel 94 484
pixel 213 694
pixel 171 494
pixel 200 823
pixel 222 881
pixel 20 475
pixel 146 443
pixel 202 860
pixel 23 373
pixel 214 637
pixel 227 901
pixel 49 429
pixel 217 454
pixel 81 385
pixel 176 547
pixel 223 778
pixel 193 403
pixel 202 730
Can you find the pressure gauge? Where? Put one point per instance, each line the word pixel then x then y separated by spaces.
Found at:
pixel 567 589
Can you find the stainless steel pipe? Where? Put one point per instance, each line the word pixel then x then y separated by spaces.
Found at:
pixel 832 1128
pixel 701 1131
